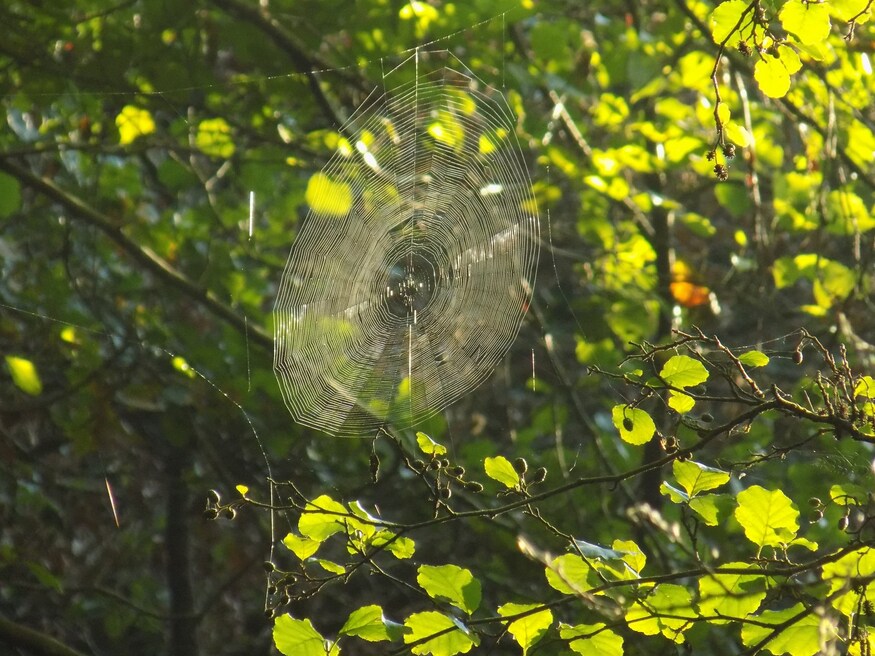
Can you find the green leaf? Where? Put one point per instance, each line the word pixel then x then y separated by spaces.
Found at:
pixel 865 387
pixel 214 138
pixel 302 547
pixel 428 446
pixel 634 424
pixel 500 469
pixel 682 371
pixel 723 113
pixel 452 639
pixel 695 477
pixel 369 624
pixel 10 195
pixel 24 375
pixel 680 402
pixel 809 21
pixel 676 495
pixel 705 507
pixel 801 638
pixel 529 629
pixel 592 639
pixel 724 19
pixel 321 525
pixel 569 574
pixel 667 610
pixel 631 554
pixel 401 547
pixel 847 494
pixel 737 134
pixel 298 638
pixel 772 76
pixel 754 359
pixel 451 583
pixel 133 122
pixel 841 574
pixel 768 518
pixel 731 595
pixel 330 566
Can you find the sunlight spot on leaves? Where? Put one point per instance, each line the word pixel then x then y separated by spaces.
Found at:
pixel 24 375
pixel 133 122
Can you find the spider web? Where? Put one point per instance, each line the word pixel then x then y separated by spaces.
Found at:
pixel 414 268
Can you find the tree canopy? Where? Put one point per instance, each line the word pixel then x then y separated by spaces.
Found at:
pixel 675 451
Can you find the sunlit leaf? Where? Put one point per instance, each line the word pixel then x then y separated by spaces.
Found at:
pixel 302 547
pixel 569 574
pixel 451 583
pixel 809 21
pixel 298 638
pixel 754 359
pixel 500 469
pixel 767 517
pixel 214 138
pixel 449 638
pixel 737 134
pixel 801 637
pixel 24 375
pixel 865 387
pixel 592 639
pixel 731 595
pixel 724 19
pixel 695 477
pixel 705 506
pixel 133 122
pixel 428 446
pixel 683 371
pixel 322 518
pixel 328 197
pixel 667 609
pixel 369 624
pixel 529 629
pixel 772 76
pixel 680 402
pixel 634 424
pixel 841 574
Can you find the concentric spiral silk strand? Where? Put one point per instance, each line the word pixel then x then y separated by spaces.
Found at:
pixel 413 270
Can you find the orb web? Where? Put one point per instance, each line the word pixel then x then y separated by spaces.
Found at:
pixel 413 269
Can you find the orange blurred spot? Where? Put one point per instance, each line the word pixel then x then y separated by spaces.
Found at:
pixel 685 292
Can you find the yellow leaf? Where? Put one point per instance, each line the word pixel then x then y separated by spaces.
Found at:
pixel 24 375
pixel 325 196
pixel 133 122
pixel 772 76
pixel 723 113
pixel 214 138
pixel 737 134
pixel 724 19
pixel 809 21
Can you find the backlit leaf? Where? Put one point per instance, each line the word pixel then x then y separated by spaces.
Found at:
pixel 569 574
pixel 682 371
pixel 705 506
pixel 529 629
pixel 451 583
pixel 865 387
pixel 772 76
pixel 731 595
pixel 298 638
pixel 592 639
pixel 680 402
pixel 428 446
pixel 809 21
pixel 801 638
pixel 369 624
pixel 667 610
pixel 695 477
pixel 24 375
pixel 768 518
pixel 841 574
pixel 452 639
pixel 328 197
pixel 133 122
pixel 322 517
pixel 302 547
pixel 754 359
pixel 634 424
pixel 724 19
pixel 500 469
pixel 214 138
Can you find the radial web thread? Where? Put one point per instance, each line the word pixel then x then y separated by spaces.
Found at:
pixel 413 270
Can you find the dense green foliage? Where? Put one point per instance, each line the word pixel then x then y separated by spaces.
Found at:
pixel 677 450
